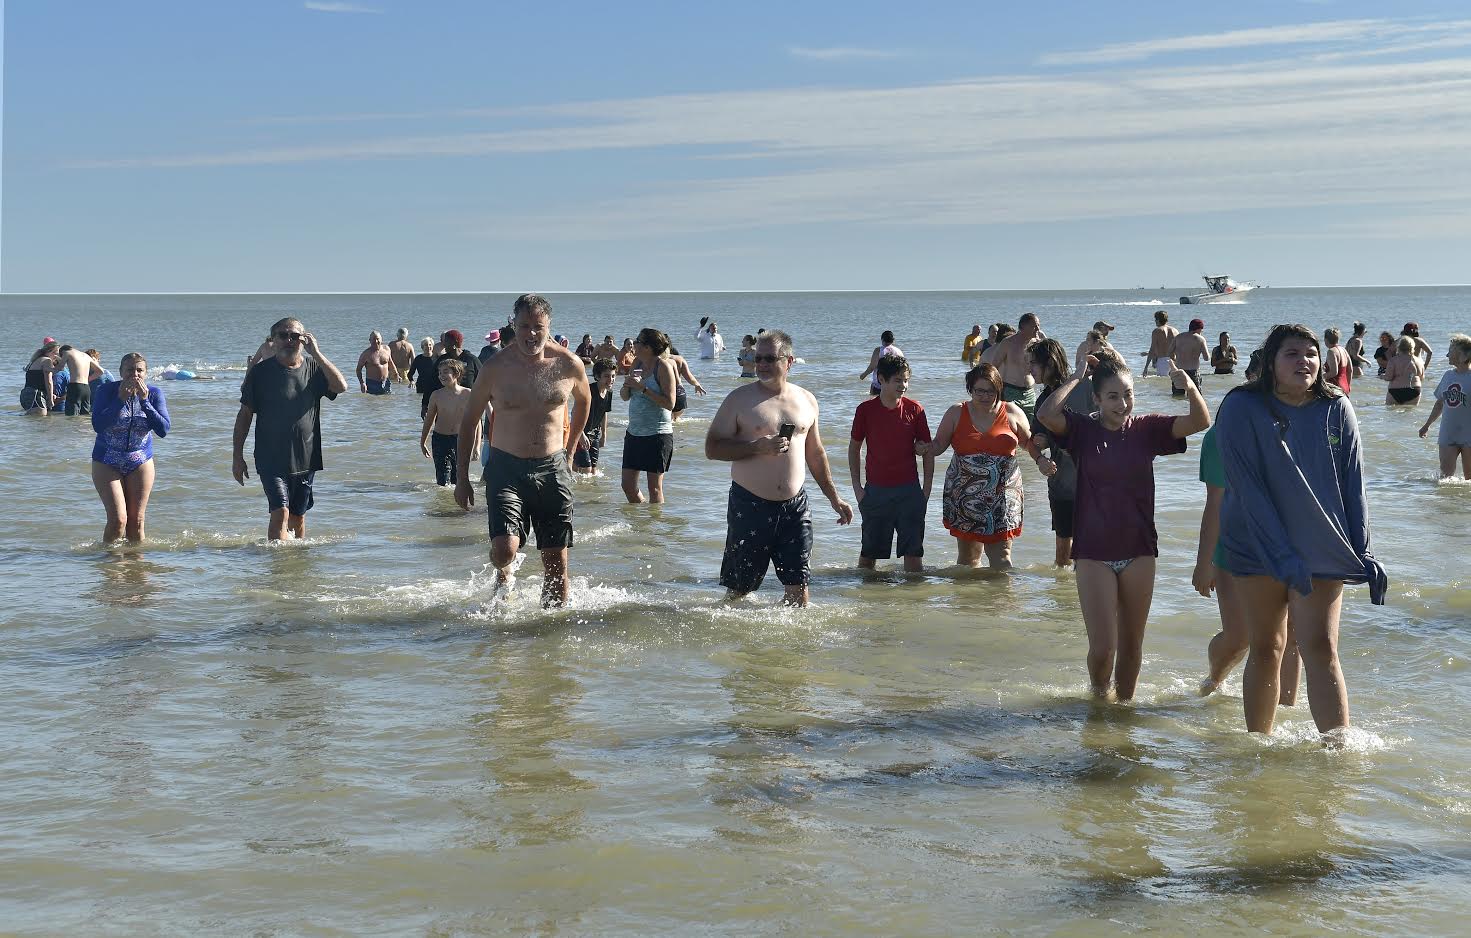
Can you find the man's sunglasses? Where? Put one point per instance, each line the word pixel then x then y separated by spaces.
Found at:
pixel 290 336
pixel 767 359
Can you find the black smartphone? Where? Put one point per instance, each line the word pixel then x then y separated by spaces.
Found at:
pixel 787 429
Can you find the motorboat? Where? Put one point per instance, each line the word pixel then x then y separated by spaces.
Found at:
pixel 1222 288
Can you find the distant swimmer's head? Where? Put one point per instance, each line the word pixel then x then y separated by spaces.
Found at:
pixel 532 318
pixel 1161 317
pixel 403 334
pixel 454 341
pixel 1048 361
pixel 427 344
pixel 1104 327
pixel 1404 346
pixel 1029 325
pixel 1197 325
pixel 976 329
pixel 1411 329
pixel 1386 340
pixel 886 338
pixel 1113 391
pixel 602 372
pixel 1359 328
pixel 374 339
pixel 1292 365
pixel 1331 336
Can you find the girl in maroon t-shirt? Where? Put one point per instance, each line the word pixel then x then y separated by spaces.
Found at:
pixel 1114 541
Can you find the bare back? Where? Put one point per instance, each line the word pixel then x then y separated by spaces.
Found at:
pixel 1011 360
pixel 530 398
pixel 402 353
pixel 1189 349
pixel 78 364
pixel 1160 341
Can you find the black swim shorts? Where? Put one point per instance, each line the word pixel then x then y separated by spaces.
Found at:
pixel 760 532
pixel 530 495
pixel 888 510
pixel 78 398
pixel 648 453
pixel 1062 515
pixel 294 492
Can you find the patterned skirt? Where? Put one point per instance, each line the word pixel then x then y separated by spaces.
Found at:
pixel 982 500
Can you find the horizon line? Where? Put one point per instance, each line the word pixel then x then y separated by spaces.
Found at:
pixel 1306 286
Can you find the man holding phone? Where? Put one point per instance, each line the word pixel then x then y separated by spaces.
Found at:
pixel 768 432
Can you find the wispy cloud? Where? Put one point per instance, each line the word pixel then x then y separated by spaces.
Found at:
pixel 839 53
pixel 327 7
pixel 1336 31
pixel 1004 149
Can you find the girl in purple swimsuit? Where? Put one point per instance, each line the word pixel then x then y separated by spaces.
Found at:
pixel 126 414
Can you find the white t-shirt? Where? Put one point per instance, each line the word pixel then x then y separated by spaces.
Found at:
pixel 1454 394
pixel 711 344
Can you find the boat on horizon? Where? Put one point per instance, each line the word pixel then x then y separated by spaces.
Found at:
pixel 1222 288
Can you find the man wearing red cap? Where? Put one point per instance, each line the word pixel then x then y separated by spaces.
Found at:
pixel 1188 350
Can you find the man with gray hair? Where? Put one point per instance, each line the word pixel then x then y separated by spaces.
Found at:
pixel 401 351
pixel 377 363
pixel 768 432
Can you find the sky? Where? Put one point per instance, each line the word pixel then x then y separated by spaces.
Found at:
pixel 470 145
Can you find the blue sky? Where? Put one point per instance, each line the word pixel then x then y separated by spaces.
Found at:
pixel 267 145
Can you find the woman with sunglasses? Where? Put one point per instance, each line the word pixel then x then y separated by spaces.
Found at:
pixel 1294 524
pixel 648 446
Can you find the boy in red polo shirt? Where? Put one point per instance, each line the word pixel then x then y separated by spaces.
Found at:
pixel 893 501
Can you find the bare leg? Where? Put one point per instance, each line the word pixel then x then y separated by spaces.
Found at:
pixel 276 531
pixel 967 553
pixel 1063 557
pixel 1264 607
pixel 998 555
pixel 554 580
pixel 794 595
pixel 502 552
pixel 1465 462
pixel 1228 647
pixel 1291 667
pixel 297 525
pixel 1448 456
pixel 630 487
pixel 137 486
pixel 1098 595
pixel 867 563
pixel 912 564
pixel 109 485
pixel 1136 593
pixel 656 488
pixel 1316 619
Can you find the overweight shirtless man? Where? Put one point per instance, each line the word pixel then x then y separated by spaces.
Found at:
pixel 768 433
pixel 401 351
pixel 1161 342
pixel 1010 358
pixel 528 482
pixel 377 363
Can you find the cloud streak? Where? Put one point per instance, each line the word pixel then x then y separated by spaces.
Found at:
pixel 1337 31
pixel 320 6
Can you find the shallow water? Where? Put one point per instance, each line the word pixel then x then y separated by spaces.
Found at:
pixel 214 735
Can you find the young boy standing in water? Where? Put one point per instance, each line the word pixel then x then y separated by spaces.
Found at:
pixel 893 501
pixel 446 408
pixel 1453 401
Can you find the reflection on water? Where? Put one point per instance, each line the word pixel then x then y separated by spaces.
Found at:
pixel 129 579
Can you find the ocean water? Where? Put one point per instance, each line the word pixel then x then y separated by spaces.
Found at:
pixel 212 735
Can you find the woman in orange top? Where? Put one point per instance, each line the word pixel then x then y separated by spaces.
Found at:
pixel 982 497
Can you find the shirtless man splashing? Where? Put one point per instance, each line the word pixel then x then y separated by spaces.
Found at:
pixel 529 479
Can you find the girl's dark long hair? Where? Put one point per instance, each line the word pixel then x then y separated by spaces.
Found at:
pixel 1266 380
pixel 1050 355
